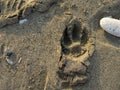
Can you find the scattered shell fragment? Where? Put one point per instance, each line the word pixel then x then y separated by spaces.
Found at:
pixel 10 57
pixel 111 25
pixel 22 21
pixel 20 59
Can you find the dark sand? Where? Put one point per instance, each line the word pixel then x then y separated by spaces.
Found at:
pixel 37 42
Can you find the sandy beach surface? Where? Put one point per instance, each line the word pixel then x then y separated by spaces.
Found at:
pixel 37 43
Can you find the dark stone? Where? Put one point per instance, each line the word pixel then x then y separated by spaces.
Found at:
pixel 8 53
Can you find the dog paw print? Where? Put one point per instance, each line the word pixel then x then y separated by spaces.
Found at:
pixel 11 11
pixel 77 46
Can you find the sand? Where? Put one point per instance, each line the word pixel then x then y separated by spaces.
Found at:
pixel 37 44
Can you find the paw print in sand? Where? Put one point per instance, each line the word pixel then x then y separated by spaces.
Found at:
pixel 77 46
pixel 13 10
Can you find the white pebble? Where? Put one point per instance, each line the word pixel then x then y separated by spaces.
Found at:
pixel 22 21
pixel 111 25
pixel 10 61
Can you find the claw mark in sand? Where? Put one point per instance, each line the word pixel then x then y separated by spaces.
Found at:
pixel 77 46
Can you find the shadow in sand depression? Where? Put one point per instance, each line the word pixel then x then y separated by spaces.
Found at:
pixel 94 82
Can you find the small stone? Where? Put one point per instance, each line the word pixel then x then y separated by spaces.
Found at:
pixel 10 57
pixel 22 21
pixel 111 25
pixel 10 61
pixel 8 53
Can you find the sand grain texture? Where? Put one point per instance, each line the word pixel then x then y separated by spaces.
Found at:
pixel 37 42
